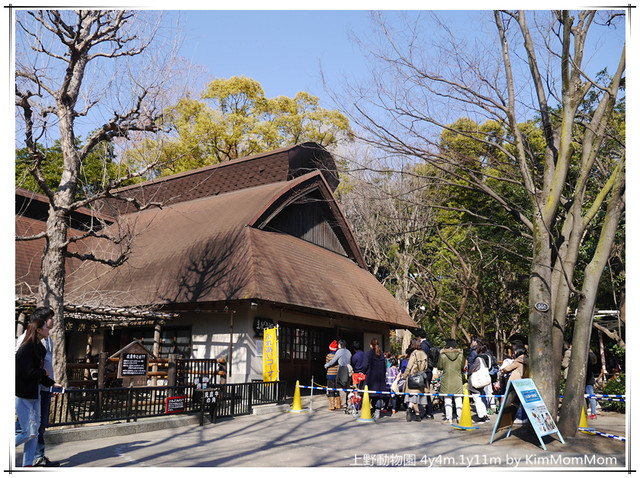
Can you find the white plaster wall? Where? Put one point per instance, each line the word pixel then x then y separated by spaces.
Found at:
pixel 210 335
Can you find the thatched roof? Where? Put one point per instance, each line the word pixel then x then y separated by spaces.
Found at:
pixel 214 249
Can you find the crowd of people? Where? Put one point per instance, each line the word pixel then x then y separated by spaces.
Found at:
pixel 424 369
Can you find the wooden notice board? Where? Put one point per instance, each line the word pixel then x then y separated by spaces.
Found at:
pixel 133 364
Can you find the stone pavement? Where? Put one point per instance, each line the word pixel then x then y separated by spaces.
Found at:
pixel 330 439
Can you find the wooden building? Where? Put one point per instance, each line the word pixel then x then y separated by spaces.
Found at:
pixel 236 247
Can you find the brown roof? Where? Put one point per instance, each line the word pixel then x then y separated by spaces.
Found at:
pixel 209 249
pixel 274 166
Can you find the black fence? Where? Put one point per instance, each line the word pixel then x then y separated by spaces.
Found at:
pixel 77 406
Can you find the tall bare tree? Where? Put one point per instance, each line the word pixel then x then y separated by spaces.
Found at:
pixel 74 68
pixel 546 155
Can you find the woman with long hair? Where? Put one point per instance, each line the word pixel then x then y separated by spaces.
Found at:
pixel 418 363
pixel 30 373
pixel 481 360
pixel 376 376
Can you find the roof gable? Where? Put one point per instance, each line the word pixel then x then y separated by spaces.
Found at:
pixel 306 209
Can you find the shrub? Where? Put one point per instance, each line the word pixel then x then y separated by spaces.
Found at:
pixel 615 386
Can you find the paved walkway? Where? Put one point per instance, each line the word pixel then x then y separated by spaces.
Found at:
pixel 324 438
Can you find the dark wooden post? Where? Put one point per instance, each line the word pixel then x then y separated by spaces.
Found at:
pixel 87 372
pixel 171 371
pixel 102 365
pixel 172 375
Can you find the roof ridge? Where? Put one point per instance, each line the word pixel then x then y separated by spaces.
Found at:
pixel 213 166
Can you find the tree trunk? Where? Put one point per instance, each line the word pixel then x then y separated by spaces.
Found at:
pixel 51 289
pixel 541 322
pixel 574 394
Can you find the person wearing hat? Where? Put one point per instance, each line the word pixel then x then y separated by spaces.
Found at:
pixel 332 375
pixel 343 359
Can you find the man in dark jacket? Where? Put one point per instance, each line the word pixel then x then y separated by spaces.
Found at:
pixel 359 362
pixel 426 347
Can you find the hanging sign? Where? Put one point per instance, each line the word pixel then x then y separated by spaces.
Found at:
pixel 524 393
pixel 270 365
pixel 261 323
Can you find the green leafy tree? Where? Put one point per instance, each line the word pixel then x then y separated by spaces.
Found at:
pixel 233 118
pixel 572 187
pixel 99 167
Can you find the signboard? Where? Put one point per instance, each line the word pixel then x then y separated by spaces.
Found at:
pixel 270 365
pixel 175 404
pixel 524 393
pixel 133 364
pixel 261 323
pixel 210 396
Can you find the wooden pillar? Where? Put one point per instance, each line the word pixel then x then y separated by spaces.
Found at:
pixel 87 372
pixel 102 364
pixel 171 372
pixel 156 352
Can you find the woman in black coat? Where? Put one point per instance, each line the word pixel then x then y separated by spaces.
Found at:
pixel 30 373
pixel 376 377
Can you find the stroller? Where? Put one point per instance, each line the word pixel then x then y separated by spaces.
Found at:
pixel 354 399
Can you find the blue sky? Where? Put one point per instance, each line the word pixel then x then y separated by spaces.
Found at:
pixel 281 49
pixel 284 50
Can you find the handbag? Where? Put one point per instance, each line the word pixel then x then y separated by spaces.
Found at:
pixel 395 386
pixel 480 378
pixel 417 380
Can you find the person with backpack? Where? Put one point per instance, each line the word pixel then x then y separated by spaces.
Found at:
pixel 417 364
pixel 426 347
pixel 479 378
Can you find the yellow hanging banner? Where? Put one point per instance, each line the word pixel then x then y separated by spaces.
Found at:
pixel 270 372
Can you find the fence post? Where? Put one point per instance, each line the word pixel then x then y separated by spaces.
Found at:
pixel 250 398
pixel 102 364
pixel 128 414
